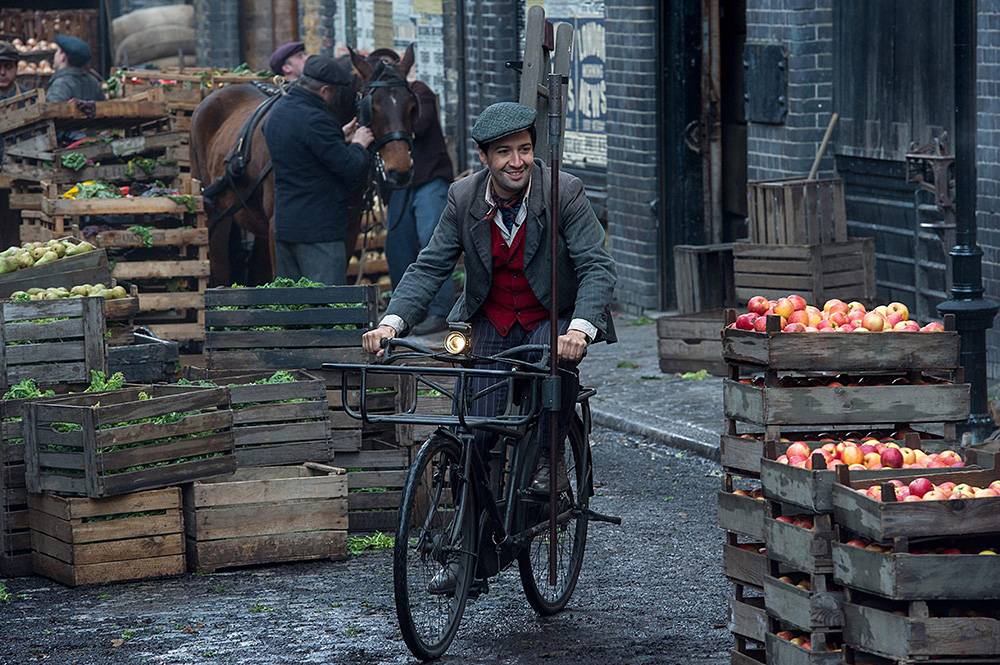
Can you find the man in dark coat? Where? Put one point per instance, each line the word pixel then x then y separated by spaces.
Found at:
pixel 8 71
pixel 414 212
pixel 317 164
pixel 72 80
pixel 499 219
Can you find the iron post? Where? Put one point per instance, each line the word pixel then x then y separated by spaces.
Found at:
pixel 973 313
pixel 555 138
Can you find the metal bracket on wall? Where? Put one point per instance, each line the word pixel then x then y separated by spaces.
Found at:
pixel 765 99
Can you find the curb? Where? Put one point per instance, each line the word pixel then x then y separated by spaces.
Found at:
pixel 663 436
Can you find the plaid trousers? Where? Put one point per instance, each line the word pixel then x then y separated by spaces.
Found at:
pixel 487 341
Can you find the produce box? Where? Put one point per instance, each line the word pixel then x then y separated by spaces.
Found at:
pixel 784 652
pixel 15 540
pixel 920 574
pixel 95 541
pixel 887 519
pixel 810 604
pixel 145 359
pixel 128 440
pixel 31 107
pixel 87 266
pixel 919 632
pixel 846 400
pixel 747 617
pixel 52 341
pixel 279 418
pixel 375 480
pixel 741 511
pixel 800 542
pixel 833 352
pixel 287 328
pixel 266 515
pixel 690 342
pixel 796 211
pixel 745 563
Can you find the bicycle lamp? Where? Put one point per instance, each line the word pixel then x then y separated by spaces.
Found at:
pixel 456 342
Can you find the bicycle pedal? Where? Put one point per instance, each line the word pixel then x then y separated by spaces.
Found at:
pixel 478 588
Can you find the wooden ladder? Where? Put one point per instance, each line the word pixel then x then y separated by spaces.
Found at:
pixel 547 49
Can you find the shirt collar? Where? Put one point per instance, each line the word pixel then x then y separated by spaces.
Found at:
pixel 522 211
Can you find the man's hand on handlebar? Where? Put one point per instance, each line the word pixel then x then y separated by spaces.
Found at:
pixel 372 340
pixel 572 346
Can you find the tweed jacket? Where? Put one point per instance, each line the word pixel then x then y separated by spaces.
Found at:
pixel 586 272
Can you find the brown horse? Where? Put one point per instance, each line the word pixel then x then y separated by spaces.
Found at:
pixel 216 128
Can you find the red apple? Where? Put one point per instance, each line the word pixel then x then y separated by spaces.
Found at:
pixel 856 542
pixel 846 328
pixel 745 321
pixel 797 449
pixel 899 309
pixel 835 305
pixel 891 457
pixel 784 307
pixel 758 305
pixel 760 324
pixel 799 316
pixel 798 302
pixel 920 486
pixel 874 322
pixel 794 328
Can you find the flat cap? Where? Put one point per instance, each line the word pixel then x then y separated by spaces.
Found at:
pixel 326 70
pixel 76 50
pixel 380 53
pixel 282 53
pixel 8 53
pixel 502 119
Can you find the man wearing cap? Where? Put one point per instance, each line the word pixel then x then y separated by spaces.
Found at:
pixel 414 212
pixel 72 80
pixel 498 219
pixel 288 60
pixel 317 164
pixel 8 71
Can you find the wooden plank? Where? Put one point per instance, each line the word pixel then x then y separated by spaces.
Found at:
pixel 160 269
pixel 283 339
pixel 741 453
pixel 273 491
pixel 295 452
pixel 121 238
pixel 274 548
pixel 151 453
pixel 194 400
pixel 152 205
pixel 321 315
pixel 74 509
pixel 88 268
pixel 744 566
pixel 288 517
pixel 108 572
pixel 223 297
pixel 165 476
pixel 270 413
pixel 889 635
pixel 806 550
pixel 44 352
pixel 262 434
pixel 783 652
pixel 748 618
pixel 806 610
pixel 378 520
pixel 741 514
pixel 123 551
pixel 705 350
pixel 311 359
pixel 159 302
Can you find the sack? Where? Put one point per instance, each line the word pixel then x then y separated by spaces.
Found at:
pixel 161 42
pixel 153 17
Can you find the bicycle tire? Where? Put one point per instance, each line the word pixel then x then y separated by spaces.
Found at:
pixel 412 563
pixel 531 570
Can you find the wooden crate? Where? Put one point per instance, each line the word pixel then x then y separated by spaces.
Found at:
pixel 95 541
pixel 15 539
pixel 266 515
pixel 918 632
pixel 747 617
pixel 385 395
pixel 818 608
pixel 197 443
pixel 740 514
pixel 889 519
pixel 816 272
pixel 805 550
pixel 795 211
pixel 748 655
pixel 933 401
pixel 703 276
pixel 282 423
pixel 745 566
pixel 906 576
pixel 145 359
pixel 691 342
pixel 783 652
pixel 31 108
pixel 825 352
pixel 89 268
pixel 328 328
pixel 63 351
pixel 375 480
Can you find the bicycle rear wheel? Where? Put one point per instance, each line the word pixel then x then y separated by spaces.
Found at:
pixel 436 528
pixel 533 562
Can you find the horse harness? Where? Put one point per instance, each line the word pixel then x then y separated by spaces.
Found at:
pixel 239 157
pixel 384 76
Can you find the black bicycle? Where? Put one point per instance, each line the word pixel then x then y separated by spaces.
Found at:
pixel 471 511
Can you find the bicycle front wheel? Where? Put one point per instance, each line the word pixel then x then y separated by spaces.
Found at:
pixel 436 530
pixel 533 562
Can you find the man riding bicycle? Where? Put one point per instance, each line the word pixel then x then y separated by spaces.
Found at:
pixel 498 219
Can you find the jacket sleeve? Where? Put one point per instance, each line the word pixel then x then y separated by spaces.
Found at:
pixel 427 111
pixel 435 263
pixel 60 90
pixel 594 267
pixel 348 161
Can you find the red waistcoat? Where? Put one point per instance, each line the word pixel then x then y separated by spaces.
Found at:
pixel 511 299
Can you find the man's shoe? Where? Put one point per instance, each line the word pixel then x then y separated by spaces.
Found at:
pixel 430 325
pixel 446 580
pixel 540 481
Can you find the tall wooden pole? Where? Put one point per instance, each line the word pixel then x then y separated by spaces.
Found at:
pixel 555 391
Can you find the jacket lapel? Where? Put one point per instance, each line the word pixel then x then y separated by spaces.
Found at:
pixel 536 220
pixel 479 226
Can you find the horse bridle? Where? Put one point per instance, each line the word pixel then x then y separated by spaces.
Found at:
pixel 384 77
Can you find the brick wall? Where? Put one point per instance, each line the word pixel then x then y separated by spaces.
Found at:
pixel 316 25
pixel 805 29
pixel 217 33
pixel 632 120
pixel 988 161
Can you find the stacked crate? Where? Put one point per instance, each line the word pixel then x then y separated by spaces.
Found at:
pixel 166 257
pixel 920 577
pixel 903 379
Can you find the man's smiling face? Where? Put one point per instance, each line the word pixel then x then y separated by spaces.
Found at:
pixel 510 160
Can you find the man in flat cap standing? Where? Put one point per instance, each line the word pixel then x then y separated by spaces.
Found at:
pixel 414 212
pixel 288 60
pixel 317 164
pixel 72 80
pixel 8 71
pixel 497 218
